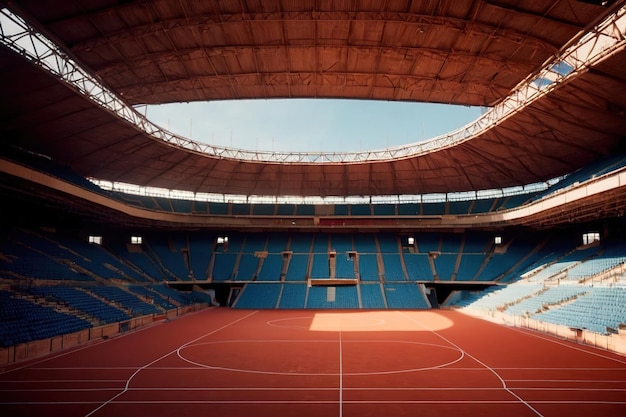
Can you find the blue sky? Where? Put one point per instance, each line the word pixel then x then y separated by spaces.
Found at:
pixel 310 125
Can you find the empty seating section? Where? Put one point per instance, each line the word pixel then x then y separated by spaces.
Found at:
pixel 562 265
pixel 451 242
pixel 272 268
pixel 360 210
pixel 128 301
pixel 496 297
pixel 459 207
pixel 140 260
pixel 28 263
pixel 550 296
pixel 344 267
pixel 368 267
pixel 224 266
pixel 248 266
pixel 341 243
pixel 404 295
pixel 599 309
pixel 483 205
pixel 24 321
pixel 305 210
pixel 445 265
pixel 152 296
pixel 469 266
pixel 418 267
pixel 614 254
pixel 235 243
pixel 255 242
pixel 176 256
pixel 589 172
pixel 500 263
pixel 285 209
pixel 409 209
pixel 259 296
pixel 137 200
pixel 298 267
pixel 372 296
pixel 427 242
pixel 200 252
pixel 277 242
pixel 384 209
pixel 263 209
pixel 320 243
pixel 433 209
pixel 476 243
pixel 115 281
pixel 332 297
pixel 545 254
pixel 320 267
pixel 301 243
pixel 200 207
pixel 388 243
pixel 170 258
pixel 48 166
pixel 516 201
pixel 100 261
pixel 240 209
pixel 393 267
pixel 173 295
pixel 293 296
pixel 342 210
pixel 83 301
pixel 181 206
pixel 218 208
pixel 365 243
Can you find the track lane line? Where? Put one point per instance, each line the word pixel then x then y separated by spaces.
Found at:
pixel 493 371
pixel 128 381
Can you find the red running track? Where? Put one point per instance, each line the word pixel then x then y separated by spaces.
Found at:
pixel 300 363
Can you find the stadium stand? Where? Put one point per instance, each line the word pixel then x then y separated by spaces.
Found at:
pixel 272 268
pixel 322 297
pixel 259 296
pixel 368 267
pixel 53 282
pixel 404 296
pixel 84 301
pixel 24 321
pixel 372 296
pixel 572 289
pixel 293 296
pixel 298 267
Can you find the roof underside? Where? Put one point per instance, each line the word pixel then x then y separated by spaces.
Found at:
pixel 461 52
pixel 471 52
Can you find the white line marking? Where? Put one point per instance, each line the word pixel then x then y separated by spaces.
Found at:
pixel 195 368
pixel 56 381
pixel 91 343
pixel 582 381
pixel 504 386
pixel 340 375
pixel 261 402
pixel 162 357
pixel 182 356
pixel 308 389
pixel 533 333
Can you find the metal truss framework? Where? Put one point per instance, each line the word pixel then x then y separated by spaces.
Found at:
pixel 581 53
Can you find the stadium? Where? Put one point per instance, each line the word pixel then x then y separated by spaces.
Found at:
pixel 481 272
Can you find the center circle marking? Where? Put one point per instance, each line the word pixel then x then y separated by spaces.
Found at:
pixel 320 356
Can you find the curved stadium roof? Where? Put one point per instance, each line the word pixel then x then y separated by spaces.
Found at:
pixel 496 53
